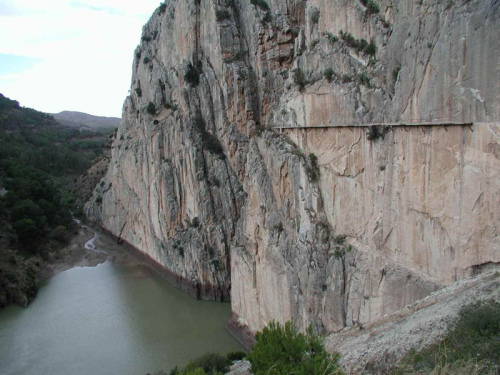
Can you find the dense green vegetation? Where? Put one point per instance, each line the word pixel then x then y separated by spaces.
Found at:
pixel 38 158
pixel 472 346
pixel 283 350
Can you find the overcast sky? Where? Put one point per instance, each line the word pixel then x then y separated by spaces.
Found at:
pixel 72 55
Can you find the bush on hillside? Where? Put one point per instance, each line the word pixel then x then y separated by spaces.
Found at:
pixel 283 350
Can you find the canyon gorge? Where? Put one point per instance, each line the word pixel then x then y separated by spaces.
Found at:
pixel 323 161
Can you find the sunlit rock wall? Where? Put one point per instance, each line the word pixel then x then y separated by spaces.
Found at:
pixel 200 183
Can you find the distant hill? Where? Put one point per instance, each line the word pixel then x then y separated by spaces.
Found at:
pixel 84 120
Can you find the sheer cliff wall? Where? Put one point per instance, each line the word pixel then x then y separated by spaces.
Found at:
pixel 375 219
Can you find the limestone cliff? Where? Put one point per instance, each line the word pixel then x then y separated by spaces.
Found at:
pixel 376 218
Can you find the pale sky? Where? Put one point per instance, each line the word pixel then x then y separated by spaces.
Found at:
pixel 73 55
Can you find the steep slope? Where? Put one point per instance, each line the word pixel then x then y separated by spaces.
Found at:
pixel 334 226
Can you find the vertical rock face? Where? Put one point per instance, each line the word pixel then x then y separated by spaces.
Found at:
pixel 200 183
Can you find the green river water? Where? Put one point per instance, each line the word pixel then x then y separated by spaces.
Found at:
pixel 110 319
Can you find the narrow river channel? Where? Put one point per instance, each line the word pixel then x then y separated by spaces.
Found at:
pixel 117 318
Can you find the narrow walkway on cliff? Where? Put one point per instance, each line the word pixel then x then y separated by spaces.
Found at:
pixel 391 124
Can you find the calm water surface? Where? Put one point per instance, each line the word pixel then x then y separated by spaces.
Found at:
pixel 110 319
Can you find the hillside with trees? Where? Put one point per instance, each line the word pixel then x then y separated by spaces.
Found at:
pixel 39 160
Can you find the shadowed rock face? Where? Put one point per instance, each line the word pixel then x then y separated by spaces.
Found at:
pixel 197 182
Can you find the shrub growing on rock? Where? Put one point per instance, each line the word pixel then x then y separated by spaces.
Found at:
pixel 377 131
pixel 222 15
pixel 332 38
pixel 370 49
pixel 267 17
pixel 313 168
pixel 371 6
pixel 260 3
pixel 315 14
pixel 192 75
pixel 209 141
pixel 151 109
pixel 283 350
pixel 299 79
pixel 329 74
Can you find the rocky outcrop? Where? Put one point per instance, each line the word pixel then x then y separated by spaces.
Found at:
pixel 331 227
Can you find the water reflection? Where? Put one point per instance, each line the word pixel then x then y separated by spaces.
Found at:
pixel 111 319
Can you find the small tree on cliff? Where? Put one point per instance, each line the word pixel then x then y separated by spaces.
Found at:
pixel 283 350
